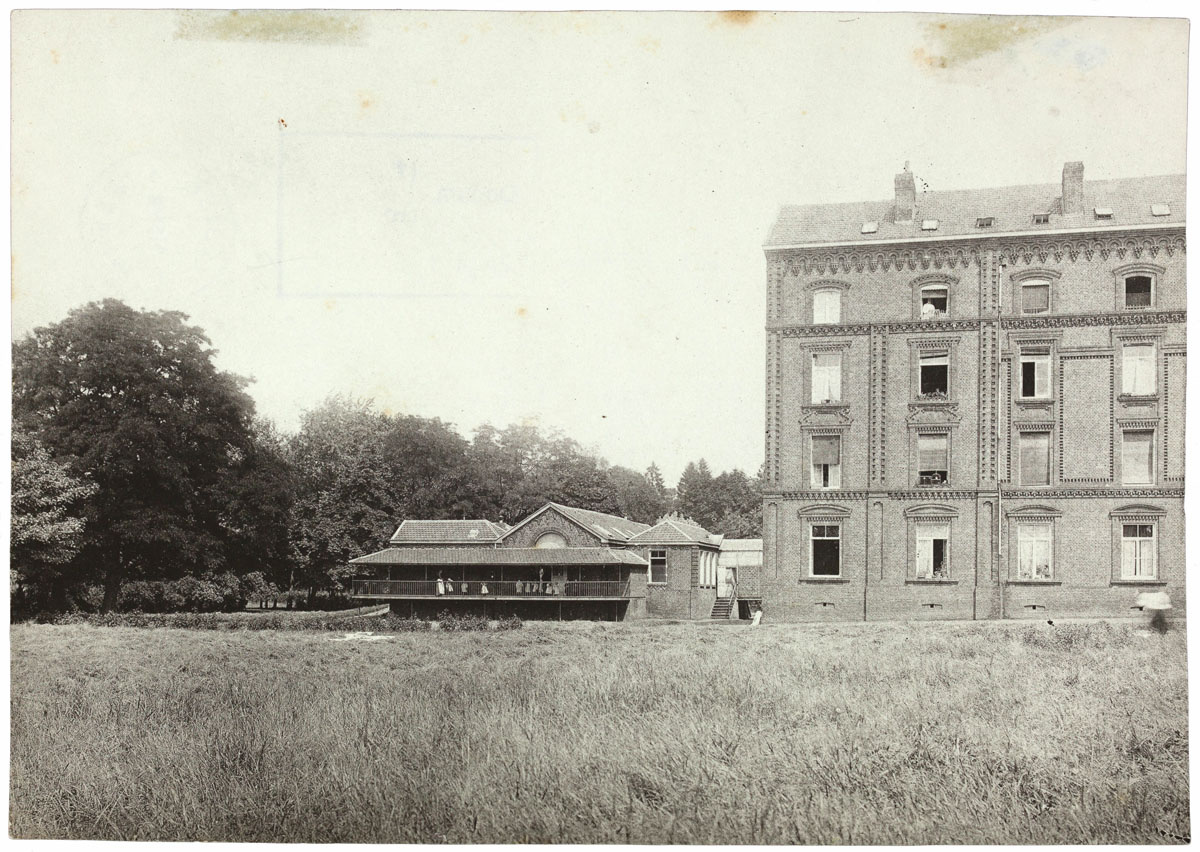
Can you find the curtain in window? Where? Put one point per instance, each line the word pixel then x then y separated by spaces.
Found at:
pixel 926 534
pixel 1033 551
pixel 1137 557
pixel 1035 298
pixel 1137 457
pixel 827 377
pixel 1137 370
pixel 827 306
pixel 826 449
pixel 1035 458
pixel 931 452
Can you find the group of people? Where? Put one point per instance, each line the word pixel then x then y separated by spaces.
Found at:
pixel 446 586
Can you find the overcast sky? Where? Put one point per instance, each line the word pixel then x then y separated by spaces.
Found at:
pixel 506 217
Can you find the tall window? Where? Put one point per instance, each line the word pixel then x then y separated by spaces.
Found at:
pixel 1137 458
pixel 1035 458
pixel 1034 548
pixel 826 461
pixel 827 306
pixel 826 377
pixel 1138 555
pixel 935 301
pixel 1139 291
pixel 1035 296
pixel 933 454
pixel 935 374
pixel 1035 376
pixel 933 538
pixel 1137 369
pixel 658 566
pixel 826 550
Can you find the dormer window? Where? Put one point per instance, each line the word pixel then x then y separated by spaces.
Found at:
pixel 984 222
pixel 1041 218
pixel 1160 209
pixel 929 224
pixel 935 301
pixel 870 227
pixel 1104 213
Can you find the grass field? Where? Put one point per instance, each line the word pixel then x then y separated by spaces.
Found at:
pixel 646 733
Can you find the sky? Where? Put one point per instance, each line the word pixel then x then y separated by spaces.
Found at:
pixel 545 218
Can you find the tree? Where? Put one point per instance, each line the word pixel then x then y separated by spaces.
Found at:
pixel 132 401
pixel 695 498
pixel 637 498
pixel 655 478
pixel 47 526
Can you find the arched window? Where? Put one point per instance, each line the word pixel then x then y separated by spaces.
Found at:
pixel 550 540
pixel 931 296
pixel 827 307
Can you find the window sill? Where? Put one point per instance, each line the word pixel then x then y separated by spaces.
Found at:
pixel 1149 582
pixel 1137 397
pixel 929 581
pixel 1034 400
pixel 1035 582
pixel 824 580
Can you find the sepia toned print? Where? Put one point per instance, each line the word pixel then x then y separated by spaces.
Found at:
pixel 698 428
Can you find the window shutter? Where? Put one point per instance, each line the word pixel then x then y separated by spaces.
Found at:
pixel 1136 461
pixel 826 449
pixel 826 306
pixel 1035 458
pixel 1035 298
pixel 1137 370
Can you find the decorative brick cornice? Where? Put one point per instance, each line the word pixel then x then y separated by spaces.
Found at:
pixel 1120 246
pixel 1073 320
pixel 1094 493
pixel 927 495
pixel 822 330
pixel 825 496
pixel 870 259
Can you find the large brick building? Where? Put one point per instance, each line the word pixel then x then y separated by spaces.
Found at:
pixel 975 402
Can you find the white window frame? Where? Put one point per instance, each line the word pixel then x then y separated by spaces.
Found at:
pixel 835 385
pixel 1130 374
pixel 926 525
pixel 833 306
pixel 660 554
pixel 1129 567
pixel 815 476
pixel 812 539
pixel 1024 537
pixel 1043 389
pixel 933 314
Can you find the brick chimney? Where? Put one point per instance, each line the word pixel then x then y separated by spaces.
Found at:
pixel 906 196
pixel 1072 188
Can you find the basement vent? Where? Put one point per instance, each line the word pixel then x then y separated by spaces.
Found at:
pixel 1034 607
pixel 825 603
pixel 932 605
pixel 1041 218
pixel 1160 209
pixel 1138 608
pixel 929 224
pixel 1104 213
pixel 984 222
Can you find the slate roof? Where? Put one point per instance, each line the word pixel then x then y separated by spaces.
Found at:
pixel 1011 209
pixel 673 531
pixel 500 556
pixel 447 532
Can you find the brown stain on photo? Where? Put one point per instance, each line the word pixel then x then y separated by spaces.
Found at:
pixel 281 26
pixel 737 17
pixel 953 41
pixel 522 312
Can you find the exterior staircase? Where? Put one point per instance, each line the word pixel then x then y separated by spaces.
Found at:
pixel 722 607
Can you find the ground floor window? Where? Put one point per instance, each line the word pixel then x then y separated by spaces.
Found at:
pixel 826 550
pixel 933 546
pixel 1034 551
pixel 658 566
pixel 1138 555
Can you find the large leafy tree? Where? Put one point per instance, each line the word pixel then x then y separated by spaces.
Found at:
pixel 638 499
pixel 132 401
pixel 47 522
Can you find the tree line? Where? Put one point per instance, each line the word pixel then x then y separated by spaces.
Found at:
pixel 142 478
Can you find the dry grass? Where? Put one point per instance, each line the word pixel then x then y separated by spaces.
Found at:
pixel 604 732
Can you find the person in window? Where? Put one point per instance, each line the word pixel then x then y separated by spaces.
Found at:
pixel 483 589
pixel 441 584
pixel 928 311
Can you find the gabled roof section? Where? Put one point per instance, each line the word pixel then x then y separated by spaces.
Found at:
pixel 673 531
pixel 608 528
pixel 447 532
pixel 958 212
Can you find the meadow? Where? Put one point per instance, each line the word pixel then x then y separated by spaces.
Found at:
pixel 600 732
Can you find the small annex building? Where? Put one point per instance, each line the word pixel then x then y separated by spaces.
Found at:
pixel 560 562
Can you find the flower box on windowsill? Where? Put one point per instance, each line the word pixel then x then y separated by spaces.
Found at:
pixel 933 481
pixel 933 396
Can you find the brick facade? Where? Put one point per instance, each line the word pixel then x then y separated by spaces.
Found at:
pixel 1070 420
